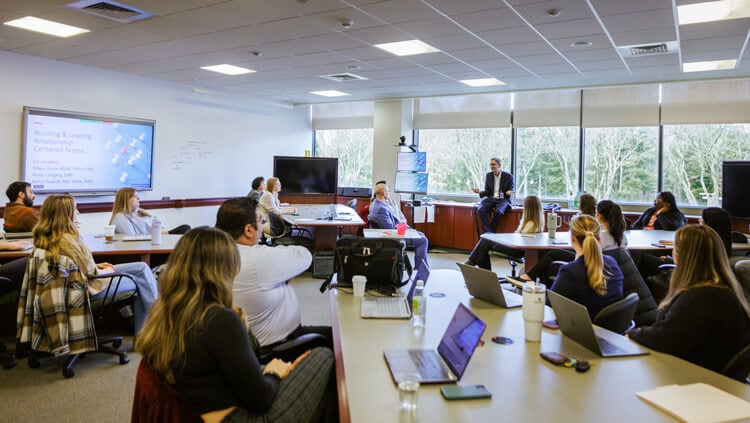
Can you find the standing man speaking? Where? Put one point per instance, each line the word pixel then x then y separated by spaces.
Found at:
pixel 498 189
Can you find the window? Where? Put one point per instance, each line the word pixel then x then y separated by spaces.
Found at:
pixel 353 147
pixel 692 159
pixel 458 159
pixel 621 163
pixel 547 162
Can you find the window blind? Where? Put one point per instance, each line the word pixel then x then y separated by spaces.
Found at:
pixel 353 115
pixel 469 111
pixel 621 106
pixel 547 108
pixel 706 102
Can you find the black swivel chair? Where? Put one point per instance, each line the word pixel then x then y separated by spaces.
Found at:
pixel 618 316
pixel 513 260
pixel 284 234
pixel 738 368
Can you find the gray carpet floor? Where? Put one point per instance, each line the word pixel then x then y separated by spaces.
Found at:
pixel 102 389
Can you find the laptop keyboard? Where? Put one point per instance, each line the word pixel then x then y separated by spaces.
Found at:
pixel 136 238
pixel 427 363
pixel 608 347
pixel 391 306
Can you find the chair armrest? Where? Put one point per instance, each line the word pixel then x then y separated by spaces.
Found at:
pixel 309 340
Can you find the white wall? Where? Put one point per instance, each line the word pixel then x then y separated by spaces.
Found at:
pixel 240 137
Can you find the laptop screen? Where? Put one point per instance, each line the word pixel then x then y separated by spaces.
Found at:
pixel 461 339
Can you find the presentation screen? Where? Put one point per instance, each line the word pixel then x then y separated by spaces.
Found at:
pixel 411 182
pixel 307 175
pixel 735 194
pixel 412 162
pixel 70 152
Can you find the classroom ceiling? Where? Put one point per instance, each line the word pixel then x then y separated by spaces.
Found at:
pixel 292 43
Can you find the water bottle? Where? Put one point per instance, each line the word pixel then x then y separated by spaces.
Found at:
pixel 418 306
pixel 155 231
pixel 575 201
pixel 551 224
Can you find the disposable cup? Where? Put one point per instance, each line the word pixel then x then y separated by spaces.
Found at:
pixel 109 232
pixel 359 282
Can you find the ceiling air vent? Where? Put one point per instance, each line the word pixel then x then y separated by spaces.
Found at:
pixel 111 10
pixel 342 77
pixel 668 47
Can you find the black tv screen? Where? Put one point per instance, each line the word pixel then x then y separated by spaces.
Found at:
pixel 735 194
pixel 72 152
pixel 307 175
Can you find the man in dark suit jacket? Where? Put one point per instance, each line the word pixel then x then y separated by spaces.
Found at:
pixel 498 189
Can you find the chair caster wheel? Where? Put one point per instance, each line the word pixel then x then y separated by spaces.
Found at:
pixel 124 359
pixel 116 344
pixel 68 373
pixel 11 363
pixel 33 363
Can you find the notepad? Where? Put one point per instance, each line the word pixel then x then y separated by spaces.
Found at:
pixel 697 402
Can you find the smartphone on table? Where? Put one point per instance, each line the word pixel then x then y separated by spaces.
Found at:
pixel 456 392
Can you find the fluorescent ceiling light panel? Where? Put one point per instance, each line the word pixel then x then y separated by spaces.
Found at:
pixel 713 11
pixel 709 66
pixel 329 93
pixel 44 26
pixel 482 82
pixel 228 69
pixel 407 48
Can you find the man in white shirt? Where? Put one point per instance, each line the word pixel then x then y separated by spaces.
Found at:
pixel 262 287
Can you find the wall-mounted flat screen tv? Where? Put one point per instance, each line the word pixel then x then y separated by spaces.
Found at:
pixel 307 175
pixel 72 152
pixel 735 192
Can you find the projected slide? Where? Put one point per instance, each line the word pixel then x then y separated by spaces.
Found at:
pixel 411 182
pixel 74 154
pixel 412 162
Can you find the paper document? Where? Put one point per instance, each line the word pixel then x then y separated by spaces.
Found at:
pixel 697 402
pixel 424 214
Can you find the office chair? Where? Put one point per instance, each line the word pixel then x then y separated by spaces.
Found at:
pixel 513 260
pixel 738 367
pixel 618 316
pixel 352 204
pixel 291 349
pixel 284 234
pixel 8 358
pixel 364 214
pixel 155 400
pixel 57 314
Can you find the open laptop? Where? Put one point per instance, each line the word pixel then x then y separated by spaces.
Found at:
pixel 448 362
pixel 484 285
pixel 391 307
pixel 575 323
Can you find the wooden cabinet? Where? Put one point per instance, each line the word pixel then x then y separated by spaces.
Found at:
pixel 464 228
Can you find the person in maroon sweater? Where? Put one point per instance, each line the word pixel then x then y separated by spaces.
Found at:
pixel 705 317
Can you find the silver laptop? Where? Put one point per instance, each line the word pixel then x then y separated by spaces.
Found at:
pixel 484 285
pixel 575 323
pixel 448 362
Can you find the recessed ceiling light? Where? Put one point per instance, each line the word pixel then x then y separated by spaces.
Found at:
pixel 713 11
pixel 44 26
pixel 329 93
pixel 407 48
pixel 554 12
pixel 482 82
pixel 580 44
pixel 709 66
pixel 228 69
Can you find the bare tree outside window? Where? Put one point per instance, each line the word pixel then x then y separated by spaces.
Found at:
pixel 621 163
pixel 547 162
pixel 692 159
pixel 458 159
pixel 353 147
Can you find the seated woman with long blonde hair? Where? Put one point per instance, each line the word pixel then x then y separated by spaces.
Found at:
pixel 532 222
pixel 57 233
pixel 705 317
pixel 198 343
pixel 592 279
pixel 130 219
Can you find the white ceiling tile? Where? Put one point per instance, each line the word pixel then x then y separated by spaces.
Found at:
pixel 536 13
pixel 488 20
pixel 379 35
pixel 365 53
pixel 647 36
pixel 566 44
pixel 475 54
pixel 609 7
pixel 591 55
pixel 708 44
pixel 452 7
pixel 406 10
pixel 168 27
pixel 656 60
pixel 231 14
pixel 568 29
pixel 430 28
pixel 639 20
pixel 718 54
pixel 510 36
pixel 526 49
pixel 586 67
pixel 715 29
pixel 543 59
pixel 454 42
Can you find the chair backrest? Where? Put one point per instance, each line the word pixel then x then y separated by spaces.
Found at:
pixel 738 368
pixel 373 223
pixel 156 401
pixel 618 316
pixel 279 228
pixel 364 214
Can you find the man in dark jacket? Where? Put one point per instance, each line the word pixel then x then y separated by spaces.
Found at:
pixel 498 189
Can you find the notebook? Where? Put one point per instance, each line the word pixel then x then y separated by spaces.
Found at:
pixel 484 285
pixel 575 323
pixel 388 307
pixel 136 238
pixel 448 362
pixel 18 235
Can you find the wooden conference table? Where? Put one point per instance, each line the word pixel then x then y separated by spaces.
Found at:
pixel 524 387
pixel 534 245
pixel 117 251
pixel 326 230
